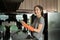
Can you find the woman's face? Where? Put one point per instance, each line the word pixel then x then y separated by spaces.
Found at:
pixel 37 11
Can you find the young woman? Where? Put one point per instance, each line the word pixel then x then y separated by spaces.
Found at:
pixel 38 24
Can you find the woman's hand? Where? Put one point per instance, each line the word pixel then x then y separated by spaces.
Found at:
pixel 27 26
pixel 22 22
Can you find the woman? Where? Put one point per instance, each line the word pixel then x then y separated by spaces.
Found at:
pixel 38 24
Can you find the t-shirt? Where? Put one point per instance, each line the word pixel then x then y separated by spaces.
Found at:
pixel 35 24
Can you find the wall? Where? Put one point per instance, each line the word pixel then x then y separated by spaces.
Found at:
pixel 50 5
pixel 58 5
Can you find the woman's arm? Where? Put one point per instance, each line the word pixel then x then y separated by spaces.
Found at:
pixel 31 28
pixel 39 28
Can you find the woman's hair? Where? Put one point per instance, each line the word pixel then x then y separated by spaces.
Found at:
pixel 40 7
